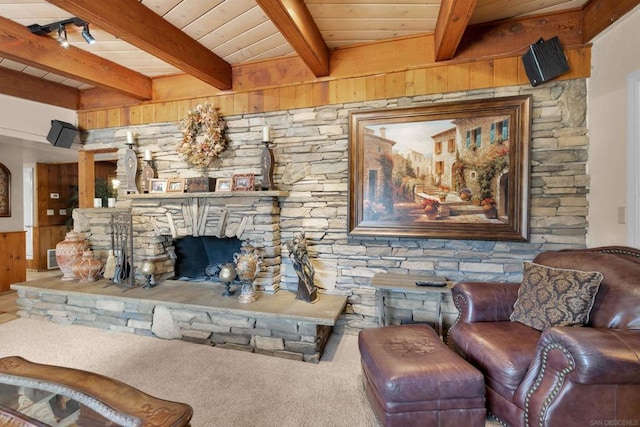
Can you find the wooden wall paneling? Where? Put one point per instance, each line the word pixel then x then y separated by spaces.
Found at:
pixel 321 93
pixel 458 77
pixel 481 74
pixel 166 112
pixel 225 102
pixel 375 86
pixel 505 71
pixel 114 116
pixel 256 101
pixel 387 56
pixel 136 115
pixel 436 79
pixel 287 97
pixel 181 86
pixel 148 113
pixel 359 85
pixel 396 85
pixel 45 238
pixel 13 263
pixel 441 78
pixel 102 118
pixel 271 99
pixel 579 63
pixel 304 94
pixel 416 82
pixel 184 106
pixel 275 72
pixel 240 102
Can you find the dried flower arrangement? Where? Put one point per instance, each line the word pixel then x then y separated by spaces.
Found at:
pixel 202 136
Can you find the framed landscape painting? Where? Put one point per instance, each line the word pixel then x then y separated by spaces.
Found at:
pixel 457 170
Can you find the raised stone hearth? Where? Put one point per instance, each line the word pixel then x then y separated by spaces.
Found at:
pixel 275 325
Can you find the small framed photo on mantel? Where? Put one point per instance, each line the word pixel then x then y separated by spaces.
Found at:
pixel 157 185
pixel 243 182
pixel 223 185
pixel 175 185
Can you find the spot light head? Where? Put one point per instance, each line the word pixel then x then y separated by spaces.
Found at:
pixel 62 36
pixel 86 35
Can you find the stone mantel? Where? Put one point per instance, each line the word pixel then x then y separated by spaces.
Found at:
pixel 207 195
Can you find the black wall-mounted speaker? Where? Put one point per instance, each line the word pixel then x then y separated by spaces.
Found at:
pixel 62 134
pixel 544 61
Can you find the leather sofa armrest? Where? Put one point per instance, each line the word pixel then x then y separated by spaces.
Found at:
pixel 484 301
pixel 598 355
pixel 568 356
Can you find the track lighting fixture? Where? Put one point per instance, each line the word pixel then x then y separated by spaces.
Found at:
pixel 62 36
pixel 60 26
pixel 86 35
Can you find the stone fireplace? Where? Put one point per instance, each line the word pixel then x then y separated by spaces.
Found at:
pixel 159 220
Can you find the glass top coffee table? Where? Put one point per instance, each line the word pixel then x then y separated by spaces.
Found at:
pixel 38 395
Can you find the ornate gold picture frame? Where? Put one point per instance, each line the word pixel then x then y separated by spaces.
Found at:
pixel 456 170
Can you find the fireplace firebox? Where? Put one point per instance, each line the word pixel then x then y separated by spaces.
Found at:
pixel 196 257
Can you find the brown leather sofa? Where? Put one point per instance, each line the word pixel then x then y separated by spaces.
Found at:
pixel 561 376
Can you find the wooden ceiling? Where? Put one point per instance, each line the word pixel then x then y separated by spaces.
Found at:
pixel 141 40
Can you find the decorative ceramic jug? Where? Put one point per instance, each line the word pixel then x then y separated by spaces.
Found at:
pixel 69 252
pixel 247 267
pixel 88 268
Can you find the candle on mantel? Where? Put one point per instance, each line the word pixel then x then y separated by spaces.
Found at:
pixel 265 134
pixel 147 155
pixel 129 137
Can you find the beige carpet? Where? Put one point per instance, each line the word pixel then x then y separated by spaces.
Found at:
pixel 224 387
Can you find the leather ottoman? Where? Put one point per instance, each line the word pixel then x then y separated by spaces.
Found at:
pixel 413 379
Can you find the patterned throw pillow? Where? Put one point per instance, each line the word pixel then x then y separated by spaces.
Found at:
pixel 555 297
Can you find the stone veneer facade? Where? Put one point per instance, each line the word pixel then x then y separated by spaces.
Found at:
pixel 311 164
pixel 158 219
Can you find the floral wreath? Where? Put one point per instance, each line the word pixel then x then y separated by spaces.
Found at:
pixel 200 152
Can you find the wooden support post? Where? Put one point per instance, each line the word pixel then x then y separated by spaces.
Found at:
pixel 86 179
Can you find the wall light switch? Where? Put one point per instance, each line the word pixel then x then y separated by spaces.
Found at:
pixel 54 195
pixel 622 214
pixel 50 212
pixel 62 212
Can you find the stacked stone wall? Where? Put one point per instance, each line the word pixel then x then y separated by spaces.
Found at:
pixel 312 163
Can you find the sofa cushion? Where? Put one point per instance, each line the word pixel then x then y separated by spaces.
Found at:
pixel 502 351
pixel 617 303
pixel 555 297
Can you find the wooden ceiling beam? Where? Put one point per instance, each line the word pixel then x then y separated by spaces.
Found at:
pixel 43 52
pixel 453 19
pixel 293 19
pixel 138 25
pixel 25 86
pixel 599 14
pixel 510 37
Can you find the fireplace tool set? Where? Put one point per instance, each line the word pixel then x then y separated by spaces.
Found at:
pixel 121 230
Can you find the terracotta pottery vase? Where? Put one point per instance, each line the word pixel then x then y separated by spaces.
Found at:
pixel 88 268
pixel 69 252
pixel 432 213
pixel 490 211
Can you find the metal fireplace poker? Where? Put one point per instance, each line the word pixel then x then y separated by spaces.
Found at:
pixel 121 230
